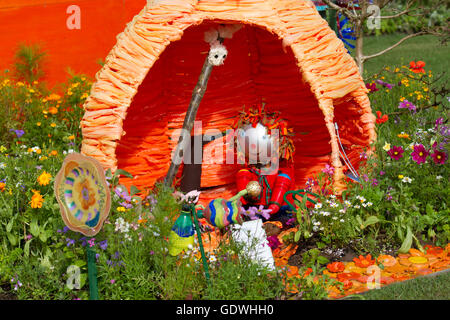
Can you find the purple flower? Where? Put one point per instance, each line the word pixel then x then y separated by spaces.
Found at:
pixel 405 104
pixel 438 122
pixel 112 281
pixel 265 213
pixel 374 182
pixel 385 84
pixel 420 154
pixel 152 252
pixel 70 242
pixel 103 244
pixel 126 205
pixel 18 133
pixel 382 173
pixel 290 222
pixel 28 237
pixel 250 213
pixel 363 155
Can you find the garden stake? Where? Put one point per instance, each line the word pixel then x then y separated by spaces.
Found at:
pixel 200 242
pixel 92 274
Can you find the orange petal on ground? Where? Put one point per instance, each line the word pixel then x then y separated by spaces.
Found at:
pixel 405 262
pixel 403 256
pixel 348 276
pixel 415 252
pixel 435 251
pixel 424 271
pixel 387 260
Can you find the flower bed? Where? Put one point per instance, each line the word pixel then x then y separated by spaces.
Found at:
pixel 396 218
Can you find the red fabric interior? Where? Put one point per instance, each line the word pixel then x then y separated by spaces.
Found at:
pixel 256 70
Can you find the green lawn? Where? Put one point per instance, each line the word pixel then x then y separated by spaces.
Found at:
pixel 425 48
pixel 432 287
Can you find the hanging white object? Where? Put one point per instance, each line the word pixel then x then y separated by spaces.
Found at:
pixel 255 245
pixel 217 54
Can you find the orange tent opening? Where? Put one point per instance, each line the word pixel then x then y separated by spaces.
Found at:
pixel 142 93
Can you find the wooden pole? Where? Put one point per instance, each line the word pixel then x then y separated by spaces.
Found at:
pixel 188 124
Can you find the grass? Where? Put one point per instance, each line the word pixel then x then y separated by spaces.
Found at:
pixel 432 287
pixel 426 48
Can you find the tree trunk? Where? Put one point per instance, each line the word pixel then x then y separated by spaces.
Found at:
pixel 359 55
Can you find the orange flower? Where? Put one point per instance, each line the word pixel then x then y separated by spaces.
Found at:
pixel 307 272
pixel 417 67
pixel 2 186
pixel 36 200
pixel 336 266
pixel 347 284
pixel 364 262
pixel 53 110
pixel 44 178
pixel 53 153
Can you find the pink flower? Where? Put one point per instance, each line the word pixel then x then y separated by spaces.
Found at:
pixel 328 169
pixel 419 154
pixel 273 242
pixel 396 152
pixel 112 281
pixel 439 157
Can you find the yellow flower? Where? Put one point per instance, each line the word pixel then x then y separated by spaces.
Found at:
pixel 403 135
pixel 54 97
pixel 53 125
pixel 53 110
pixel 400 176
pixel 36 200
pixel 19 84
pixel 71 137
pixel 2 149
pixel 44 178
pixel 121 209
pixel 42 158
pixel 38 124
pixel 387 146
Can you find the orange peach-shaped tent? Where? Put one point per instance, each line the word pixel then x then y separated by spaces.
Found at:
pixel 285 55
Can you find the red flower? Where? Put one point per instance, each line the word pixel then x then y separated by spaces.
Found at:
pixel 439 157
pixel 396 152
pixel 336 267
pixel 417 67
pixel 381 119
pixel 364 262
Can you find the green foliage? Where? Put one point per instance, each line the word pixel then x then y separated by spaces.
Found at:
pixel 28 62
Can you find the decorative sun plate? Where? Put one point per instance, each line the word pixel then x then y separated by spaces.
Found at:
pixel 83 194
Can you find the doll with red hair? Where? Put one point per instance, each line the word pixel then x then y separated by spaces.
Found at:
pixel 265 148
